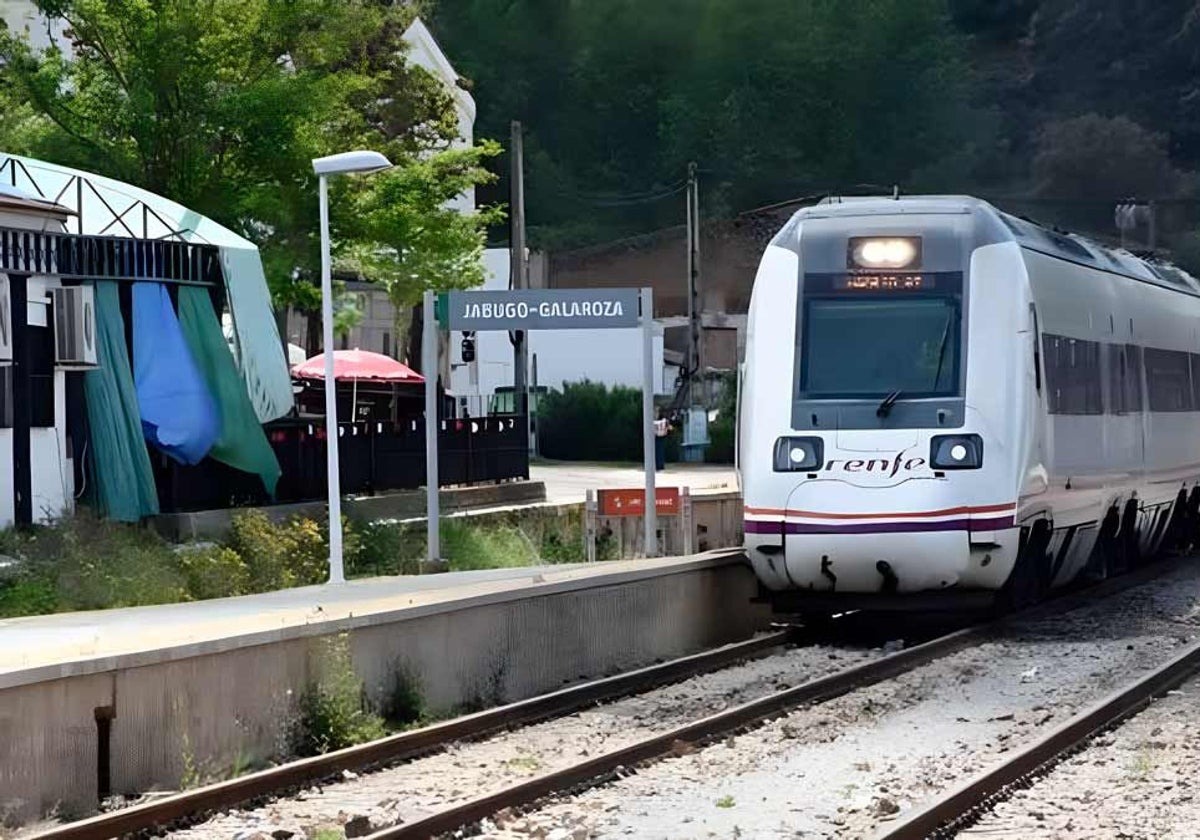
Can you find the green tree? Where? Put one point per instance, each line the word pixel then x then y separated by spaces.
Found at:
pixel 222 104
pixel 1103 158
pixel 411 239
pixel 772 100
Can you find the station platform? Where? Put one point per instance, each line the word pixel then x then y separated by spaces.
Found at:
pixel 67 644
pixel 146 693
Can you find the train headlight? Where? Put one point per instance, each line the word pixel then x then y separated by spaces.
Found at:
pixel 798 454
pixel 956 452
pixel 891 252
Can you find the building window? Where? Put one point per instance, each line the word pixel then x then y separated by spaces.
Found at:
pixel 387 344
pixel 41 376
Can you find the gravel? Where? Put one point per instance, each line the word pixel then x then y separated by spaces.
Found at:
pixel 1138 782
pixel 404 792
pixel 842 768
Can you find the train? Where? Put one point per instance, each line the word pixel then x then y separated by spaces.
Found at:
pixel 945 405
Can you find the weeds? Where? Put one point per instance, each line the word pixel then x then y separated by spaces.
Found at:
pixel 525 762
pixel 190 777
pixel 404 704
pixel 725 802
pixel 333 712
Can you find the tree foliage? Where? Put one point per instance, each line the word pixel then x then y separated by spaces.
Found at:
pixel 772 100
pixel 222 104
pixel 1103 158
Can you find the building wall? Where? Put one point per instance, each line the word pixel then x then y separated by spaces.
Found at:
pixel 8 511
pixel 52 474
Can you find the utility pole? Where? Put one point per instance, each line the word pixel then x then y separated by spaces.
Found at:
pixel 694 360
pixel 518 273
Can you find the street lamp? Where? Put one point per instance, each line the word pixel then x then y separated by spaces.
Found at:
pixel 363 162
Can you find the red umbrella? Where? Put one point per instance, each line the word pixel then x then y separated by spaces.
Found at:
pixel 358 364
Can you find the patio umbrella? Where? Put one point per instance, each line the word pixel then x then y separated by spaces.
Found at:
pixel 350 365
pixel 353 365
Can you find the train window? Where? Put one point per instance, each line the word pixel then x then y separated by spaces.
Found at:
pixel 1072 375
pixel 1168 380
pixel 871 346
pixel 1195 365
pixel 1124 379
pixel 1133 378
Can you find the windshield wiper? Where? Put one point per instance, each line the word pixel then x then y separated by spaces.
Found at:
pixel 885 407
pixel 942 350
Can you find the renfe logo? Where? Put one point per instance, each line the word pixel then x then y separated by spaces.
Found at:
pixel 881 466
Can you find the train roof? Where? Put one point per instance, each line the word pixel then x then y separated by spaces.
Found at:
pixel 1025 232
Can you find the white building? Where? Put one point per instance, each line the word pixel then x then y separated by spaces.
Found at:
pixel 48 471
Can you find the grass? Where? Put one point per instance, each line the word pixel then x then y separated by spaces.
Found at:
pixel 87 563
pixel 726 802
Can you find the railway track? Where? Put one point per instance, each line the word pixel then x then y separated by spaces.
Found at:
pixel 601 768
pixel 162 812
pixel 944 816
pixel 188 806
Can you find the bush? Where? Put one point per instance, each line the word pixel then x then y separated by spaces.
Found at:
pixel 86 563
pixel 333 711
pixel 587 421
pixel 722 431
pixel 285 554
pixel 214 571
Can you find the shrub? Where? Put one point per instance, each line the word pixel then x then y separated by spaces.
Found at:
pixel 291 553
pixel 723 430
pixel 587 421
pixel 213 571
pixel 84 563
pixel 333 711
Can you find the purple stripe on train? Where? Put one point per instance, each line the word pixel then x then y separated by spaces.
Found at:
pixel 991 523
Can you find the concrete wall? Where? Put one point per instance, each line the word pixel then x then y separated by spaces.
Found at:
pixel 404 504
pixel 213 702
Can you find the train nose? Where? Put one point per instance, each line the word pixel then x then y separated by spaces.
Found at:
pixel 878 544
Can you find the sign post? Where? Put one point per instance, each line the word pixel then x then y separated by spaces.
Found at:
pixel 540 309
pixel 429 356
pixel 648 459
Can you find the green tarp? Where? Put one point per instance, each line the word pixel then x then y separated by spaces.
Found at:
pixel 122 481
pixel 242 444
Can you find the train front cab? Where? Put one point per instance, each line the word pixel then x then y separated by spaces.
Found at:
pixel 889 461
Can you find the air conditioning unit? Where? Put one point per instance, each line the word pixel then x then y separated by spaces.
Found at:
pixel 74 327
pixel 6 326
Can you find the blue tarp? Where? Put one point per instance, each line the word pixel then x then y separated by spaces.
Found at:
pixel 178 412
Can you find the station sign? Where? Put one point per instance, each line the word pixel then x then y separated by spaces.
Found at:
pixel 633 502
pixel 539 309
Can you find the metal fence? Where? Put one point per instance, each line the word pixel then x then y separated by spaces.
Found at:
pixel 375 457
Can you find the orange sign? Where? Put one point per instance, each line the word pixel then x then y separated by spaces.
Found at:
pixel 632 502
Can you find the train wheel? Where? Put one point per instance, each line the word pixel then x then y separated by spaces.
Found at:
pixel 1130 556
pixel 1104 559
pixel 1177 537
pixel 1028 581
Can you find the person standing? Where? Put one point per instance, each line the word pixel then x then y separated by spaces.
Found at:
pixel 662 428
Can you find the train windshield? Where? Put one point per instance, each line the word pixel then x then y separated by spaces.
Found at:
pixel 872 347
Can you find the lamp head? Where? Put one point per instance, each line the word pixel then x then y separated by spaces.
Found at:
pixel 362 161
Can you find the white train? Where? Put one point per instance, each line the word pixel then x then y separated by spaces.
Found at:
pixel 941 402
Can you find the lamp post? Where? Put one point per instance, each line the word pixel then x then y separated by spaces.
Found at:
pixel 362 161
